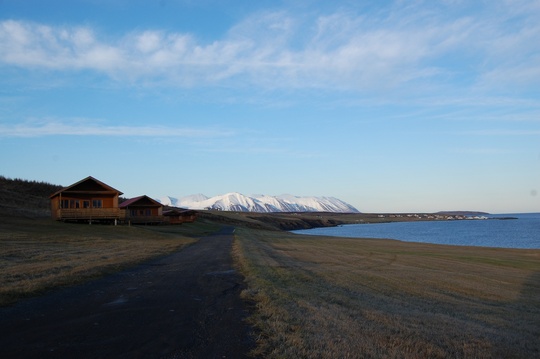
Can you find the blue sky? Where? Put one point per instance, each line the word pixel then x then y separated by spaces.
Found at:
pixel 391 106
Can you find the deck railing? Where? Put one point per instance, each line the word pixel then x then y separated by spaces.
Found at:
pixel 106 214
pixel 89 213
pixel 144 219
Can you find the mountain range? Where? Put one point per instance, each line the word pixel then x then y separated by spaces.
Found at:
pixel 260 203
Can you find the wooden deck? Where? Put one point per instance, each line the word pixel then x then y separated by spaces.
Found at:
pixel 89 214
pixel 107 214
pixel 144 219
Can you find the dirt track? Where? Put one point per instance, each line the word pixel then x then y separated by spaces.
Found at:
pixel 185 305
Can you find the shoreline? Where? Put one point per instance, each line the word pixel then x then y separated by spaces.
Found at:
pixel 290 221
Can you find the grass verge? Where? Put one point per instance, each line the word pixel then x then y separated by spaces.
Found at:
pixel 322 297
pixel 39 254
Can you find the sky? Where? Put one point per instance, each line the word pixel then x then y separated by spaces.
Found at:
pixel 390 106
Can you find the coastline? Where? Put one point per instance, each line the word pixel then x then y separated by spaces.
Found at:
pixel 291 221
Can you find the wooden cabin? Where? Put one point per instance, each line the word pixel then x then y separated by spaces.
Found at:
pixel 87 200
pixel 142 210
pixel 179 216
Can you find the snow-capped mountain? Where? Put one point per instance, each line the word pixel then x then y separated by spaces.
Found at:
pixel 260 203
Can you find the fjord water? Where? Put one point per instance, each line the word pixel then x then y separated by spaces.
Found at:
pixel 523 232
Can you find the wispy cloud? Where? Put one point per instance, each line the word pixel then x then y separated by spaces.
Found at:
pixel 503 132
pixel 279 49
pixel 482 151
pixel 83 128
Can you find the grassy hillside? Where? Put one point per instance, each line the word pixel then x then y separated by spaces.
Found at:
pixel 25 198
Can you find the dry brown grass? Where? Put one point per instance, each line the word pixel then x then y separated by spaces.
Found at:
pixel 321 297
pixel 37 255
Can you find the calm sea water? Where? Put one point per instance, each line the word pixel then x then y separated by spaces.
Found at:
pixel 523 232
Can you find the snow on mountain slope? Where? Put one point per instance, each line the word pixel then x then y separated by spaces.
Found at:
pixel 260 203
pixel 182 202
pixel 168 201
pixel 194 198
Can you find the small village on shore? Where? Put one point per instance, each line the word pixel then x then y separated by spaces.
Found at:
pixel 435 216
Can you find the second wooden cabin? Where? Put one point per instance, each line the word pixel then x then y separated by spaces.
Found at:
pixel 142 210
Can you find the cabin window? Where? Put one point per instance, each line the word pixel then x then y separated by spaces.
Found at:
pixel 148 212
pixel 73 203
pixel 133 212
pixel 97 203
pixel 86 204
pixel 65 203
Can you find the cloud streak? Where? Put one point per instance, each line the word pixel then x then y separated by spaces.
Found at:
pixel 55 128
pixel 503 132
pixel 278 49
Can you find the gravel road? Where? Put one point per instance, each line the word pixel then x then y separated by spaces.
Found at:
pixel 185 305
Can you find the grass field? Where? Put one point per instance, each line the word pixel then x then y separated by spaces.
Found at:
pixel 320 297
pixel 40 254
pixel 315 297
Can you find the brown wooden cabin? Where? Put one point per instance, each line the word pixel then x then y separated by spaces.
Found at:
pixel 179 216
pixel 87 200
pixel 142 210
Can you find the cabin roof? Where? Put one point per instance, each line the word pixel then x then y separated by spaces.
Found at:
pixel 88 185
pixel 141 201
